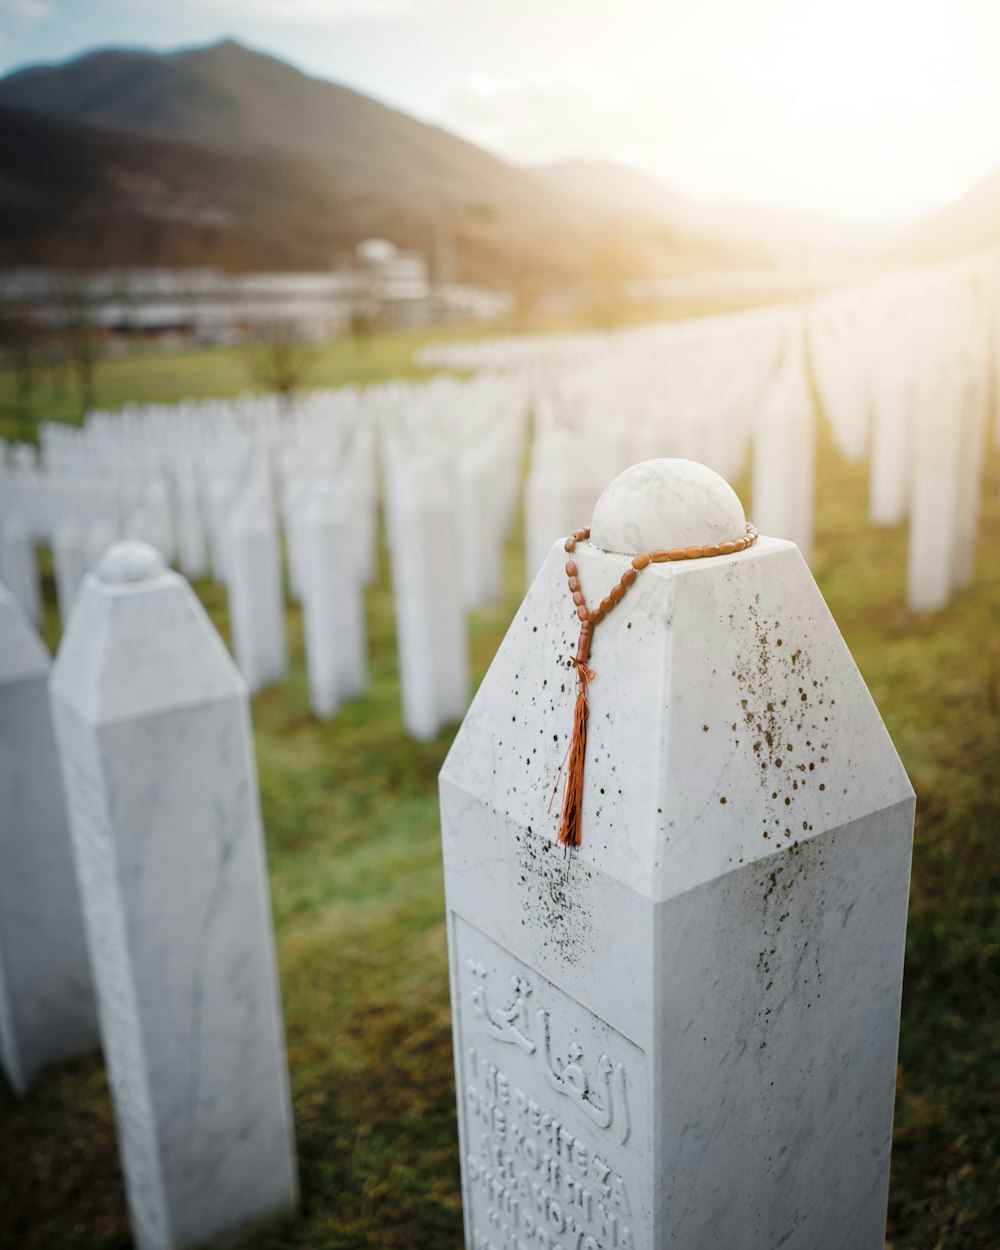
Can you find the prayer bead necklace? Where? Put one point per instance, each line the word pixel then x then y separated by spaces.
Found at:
pixel 569 830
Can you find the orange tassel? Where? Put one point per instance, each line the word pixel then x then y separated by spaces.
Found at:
pixel 572 808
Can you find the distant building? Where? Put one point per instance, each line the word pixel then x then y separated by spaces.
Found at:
pixel 385 283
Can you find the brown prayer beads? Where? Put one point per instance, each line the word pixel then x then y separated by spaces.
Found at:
pixel 569 832
pixel 638 563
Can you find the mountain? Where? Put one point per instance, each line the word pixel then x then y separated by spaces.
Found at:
pixel 615 189
pixel 229 152
pixel 84 195
pixel 770 234
pixel 232 98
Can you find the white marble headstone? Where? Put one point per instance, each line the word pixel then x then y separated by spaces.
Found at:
pixel 431 631
pixel 69 560
pixel 47 1009
pixel 18 566
pixel 684 1032
pixel 256 591
pixel 333 607
pixel 152 720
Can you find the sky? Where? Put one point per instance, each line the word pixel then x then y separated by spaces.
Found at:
pixel 870 110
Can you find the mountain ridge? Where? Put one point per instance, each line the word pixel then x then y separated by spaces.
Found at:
pixel 374 167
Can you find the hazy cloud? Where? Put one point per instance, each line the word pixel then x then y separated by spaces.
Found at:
pixel 539 116
pixel 26 10
pixel 315 12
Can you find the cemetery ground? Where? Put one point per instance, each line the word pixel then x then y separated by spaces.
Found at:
pixel 350 812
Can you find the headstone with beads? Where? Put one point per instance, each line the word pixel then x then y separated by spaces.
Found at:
pixel 675 971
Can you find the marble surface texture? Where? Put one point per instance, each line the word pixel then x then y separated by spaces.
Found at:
pixel 47 1007
pixel 660 504
pixel 157 754
pixel 684 1032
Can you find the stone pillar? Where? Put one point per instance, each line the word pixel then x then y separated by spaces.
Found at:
pixel 47 1010
pixel 558 491
pixel 431 634
pixel 18 567
pixel 154 732
pixel 784 452
pixel 101 535
pixel 682 1032
pixel 949 434
pixel 891 465
pixel 256 593
pixel 333 607
pixel 974 399
pixel 69 559
pixel 192 546
pixel 220 493
pixel 293 489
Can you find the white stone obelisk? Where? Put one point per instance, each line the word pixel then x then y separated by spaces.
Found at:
pixel 784 452
pixel 156 747
pixel 256 592
pixel 101 535
pixel 891 450
pixel 221 491
pixel 333 607
pixel 18 566
pixel 683 1032
pixel 192 543
pixel 47 1009
pixel 431 633
pixel 949 446
pixel 69 560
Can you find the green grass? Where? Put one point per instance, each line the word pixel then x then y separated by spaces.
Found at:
pixel 149 375
pixel 351 819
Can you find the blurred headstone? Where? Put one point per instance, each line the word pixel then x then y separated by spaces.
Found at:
pixel 949 443
pixel 156 747
pixel 47 1010
pixel 256 593
pixel 891 465
pixel 18 566
pixel 333 607
pixel 69 560
pixel 431 634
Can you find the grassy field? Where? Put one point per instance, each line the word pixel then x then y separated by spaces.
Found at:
pixel 351 818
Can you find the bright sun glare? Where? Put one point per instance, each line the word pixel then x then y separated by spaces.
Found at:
pixel 872 98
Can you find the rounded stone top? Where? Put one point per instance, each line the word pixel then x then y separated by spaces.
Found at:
pixel 660 504
pixel 129 562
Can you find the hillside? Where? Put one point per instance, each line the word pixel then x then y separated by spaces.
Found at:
pixel 232 157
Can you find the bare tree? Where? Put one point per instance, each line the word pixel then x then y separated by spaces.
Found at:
pixel 281 361
pixel 80 332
